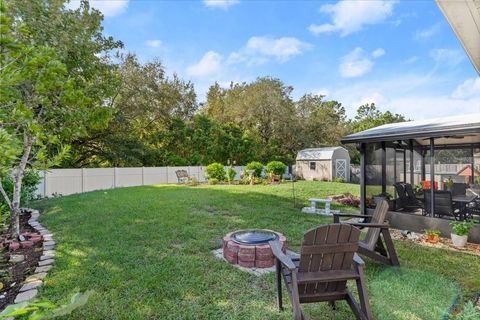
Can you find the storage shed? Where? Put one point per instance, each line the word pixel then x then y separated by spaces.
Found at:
pixel 323 164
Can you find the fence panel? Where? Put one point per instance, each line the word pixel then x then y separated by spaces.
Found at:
pixel 128 177
pixel 155 175
pixel 98 179
pixel 63 181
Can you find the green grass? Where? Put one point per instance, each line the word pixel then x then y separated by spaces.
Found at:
pixel 146 251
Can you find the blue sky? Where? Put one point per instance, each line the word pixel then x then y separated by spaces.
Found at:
pixel 401 55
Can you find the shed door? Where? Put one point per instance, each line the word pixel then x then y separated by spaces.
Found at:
pixel 341 169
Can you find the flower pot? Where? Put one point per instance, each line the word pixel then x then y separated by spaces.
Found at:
pixel 459 241
pixel 432 238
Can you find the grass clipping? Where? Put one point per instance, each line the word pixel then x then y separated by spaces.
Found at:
pixel 408 294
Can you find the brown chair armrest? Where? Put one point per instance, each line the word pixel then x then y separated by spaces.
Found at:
pixel 369 225
pixel 336 216
pixel 282 257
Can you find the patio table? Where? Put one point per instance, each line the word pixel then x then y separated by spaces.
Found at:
pixel 463 200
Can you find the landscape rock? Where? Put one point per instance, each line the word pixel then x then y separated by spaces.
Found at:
pixel 15 258
pixel 45 262
pixel 26 295
pixel 43 269
pixel 36 276
pixel 31 285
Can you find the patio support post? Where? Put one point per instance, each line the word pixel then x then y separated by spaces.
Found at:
pixel 363 205
pixel 412 179
pixel 405 165
pixel 384 168
pixel 423 153
pixel 432 175
pixel 472 159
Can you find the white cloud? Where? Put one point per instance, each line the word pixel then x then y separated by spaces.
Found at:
pixel 209 64
pixel 259 50
pixel 109 8
pixel 427 33
pixel 470 88
pixel 222 4
pixel 351 16
pixel 154 43
pixel 447 57
pixel 357 62
pixel 378 53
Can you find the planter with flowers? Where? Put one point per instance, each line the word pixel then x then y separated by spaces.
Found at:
pixel 432 235
pixel 460 231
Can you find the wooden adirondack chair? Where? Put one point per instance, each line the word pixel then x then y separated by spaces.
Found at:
pixel 373 246
pixel 327 260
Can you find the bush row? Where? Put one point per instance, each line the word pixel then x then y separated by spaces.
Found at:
pixel 216 172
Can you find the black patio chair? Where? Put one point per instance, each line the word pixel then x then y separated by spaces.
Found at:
pixel 443 205
pixel 406 197
pixel 459 189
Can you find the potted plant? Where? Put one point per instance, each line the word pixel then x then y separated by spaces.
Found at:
pixel 448 184
pixel 460 231
pixel 432 235
pixel 418 189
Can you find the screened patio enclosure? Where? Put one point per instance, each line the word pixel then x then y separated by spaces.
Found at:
pixel 428 169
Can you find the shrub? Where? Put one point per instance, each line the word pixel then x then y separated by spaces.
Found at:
pixel 216 171
pixel 193 182
pixel 30 181
pixel 338 179
pixel 212 181
pixel 276 168
pixel 349 200
pixel 257 168
pixel 231 174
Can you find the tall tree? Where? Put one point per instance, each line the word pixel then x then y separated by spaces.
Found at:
pixel 368 116
pixel 147 105
pixel 56 82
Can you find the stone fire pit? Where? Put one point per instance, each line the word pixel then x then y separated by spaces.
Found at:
pixel 250 249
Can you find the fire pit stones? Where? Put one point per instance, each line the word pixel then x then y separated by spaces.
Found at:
pixel 250 248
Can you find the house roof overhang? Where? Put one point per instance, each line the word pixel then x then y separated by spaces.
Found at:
pixel 464 18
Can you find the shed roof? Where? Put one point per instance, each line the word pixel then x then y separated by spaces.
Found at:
pixel 462 129
pixel 317 153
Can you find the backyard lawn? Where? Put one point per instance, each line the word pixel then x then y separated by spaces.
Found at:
pixel 146 251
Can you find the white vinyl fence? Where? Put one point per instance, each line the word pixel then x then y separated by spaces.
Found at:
pixel 70 181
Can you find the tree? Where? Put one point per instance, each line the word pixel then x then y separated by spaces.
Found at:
pixel 147 105
pixel 56 82
pixel 320 123
pixel 368 116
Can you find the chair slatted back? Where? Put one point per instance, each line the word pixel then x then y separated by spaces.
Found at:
pixel 402 195
pixel 410 193
pixel 329 247
pixel 378 217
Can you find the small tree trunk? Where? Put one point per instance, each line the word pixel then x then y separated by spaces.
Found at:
pixel 17 187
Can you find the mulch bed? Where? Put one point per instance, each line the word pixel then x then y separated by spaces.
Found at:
pixel 12 275
pixel 443 243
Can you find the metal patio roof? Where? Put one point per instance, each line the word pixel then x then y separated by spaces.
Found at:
pixel 462 129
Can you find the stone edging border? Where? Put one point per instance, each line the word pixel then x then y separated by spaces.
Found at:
pixel 29 291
